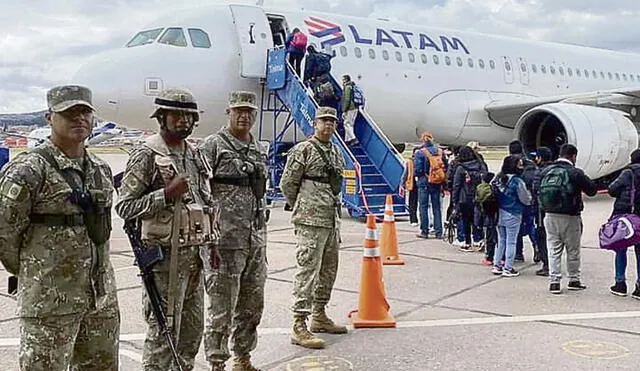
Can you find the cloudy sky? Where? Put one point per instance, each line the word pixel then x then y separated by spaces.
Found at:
pixel 44 42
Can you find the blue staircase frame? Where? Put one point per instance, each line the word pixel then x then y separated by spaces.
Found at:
pixel 373 167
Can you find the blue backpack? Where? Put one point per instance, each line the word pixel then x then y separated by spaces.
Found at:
pixel 358 96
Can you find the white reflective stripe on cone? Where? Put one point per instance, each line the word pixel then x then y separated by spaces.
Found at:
pixel 371 234
pixel 388 207
pixel 389 218
pixel 371 252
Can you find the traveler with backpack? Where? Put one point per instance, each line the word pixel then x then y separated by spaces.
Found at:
pixel 527 228
pixel 487 204
pixel 352 99
pixel 543 160
pixel 412 188
pixel 296 45
pixel 513 196
pixel 430 169
pixel 466 179
pixel 627 182
pixel 561 188
pixel 317 67
pixel 478 218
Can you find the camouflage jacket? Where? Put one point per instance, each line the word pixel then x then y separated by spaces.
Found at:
pixel 141 194
pixel 313 202
pixel 57 266
pixel 238 205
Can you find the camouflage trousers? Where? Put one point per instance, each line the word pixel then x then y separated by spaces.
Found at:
pixel 317 261
pixel 80 341
pixel 188 319
pixel 236 300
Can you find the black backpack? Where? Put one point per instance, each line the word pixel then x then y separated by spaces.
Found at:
pixel 471 181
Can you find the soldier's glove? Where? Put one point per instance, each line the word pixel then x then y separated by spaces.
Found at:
pixel 214 257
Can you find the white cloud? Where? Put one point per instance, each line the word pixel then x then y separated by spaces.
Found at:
pixel 42 42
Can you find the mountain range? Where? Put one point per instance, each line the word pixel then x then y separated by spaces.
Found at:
pixel 23 119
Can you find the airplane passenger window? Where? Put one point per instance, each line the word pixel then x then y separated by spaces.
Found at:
pixel 343 51
pixel 459 61
pixel 372 54
pixel 385 55
pixel 144 37
pixel 586 73
pixel 481 63
pixel 569 71
pixel 447 60
pixel 424 58
pixel 534 68
pixel 601 74
pixel 610 76
pixel 578 72
pixel 543 68
pixel 561 70
pixel 412 58
pixel 436 60
pixel 617 76
pixel 631 77
pixel 624 76
pixel 492 64
pixel 470 62
pixel 507 66
pixel 523 67
pixel 358 52
pixel 552 69
pixel 173 36
pixel 399 56
pixel 199 38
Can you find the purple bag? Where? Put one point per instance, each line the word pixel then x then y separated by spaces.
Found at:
pixel 621 231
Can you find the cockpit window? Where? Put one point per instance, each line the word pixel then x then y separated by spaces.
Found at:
pixel 173 36
pixel 144 37
pixel 199 38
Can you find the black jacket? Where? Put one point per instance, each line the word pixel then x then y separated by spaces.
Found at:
pixel 581 183
pixel 464 193
pixel 621 189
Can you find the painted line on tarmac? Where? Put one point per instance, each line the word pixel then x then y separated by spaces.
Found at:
pixel 13 342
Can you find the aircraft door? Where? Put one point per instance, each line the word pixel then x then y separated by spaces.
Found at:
pixel 254 37
pixel 524 71
pixel 508 70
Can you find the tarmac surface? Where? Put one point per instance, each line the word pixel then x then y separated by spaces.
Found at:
pixel 451 312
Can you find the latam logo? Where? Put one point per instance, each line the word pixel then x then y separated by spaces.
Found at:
pixel 331 34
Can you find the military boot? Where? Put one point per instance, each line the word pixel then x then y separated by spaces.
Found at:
pixel 218 366
pixel 321 323
pixel 243 363
pixel 301 335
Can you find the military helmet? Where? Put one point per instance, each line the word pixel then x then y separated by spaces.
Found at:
pixel 176 99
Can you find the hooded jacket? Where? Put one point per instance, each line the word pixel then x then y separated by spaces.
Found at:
pixel 464 192
pixel 628 181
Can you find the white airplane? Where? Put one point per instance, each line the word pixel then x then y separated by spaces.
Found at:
pixel 461 86
pixel 99 134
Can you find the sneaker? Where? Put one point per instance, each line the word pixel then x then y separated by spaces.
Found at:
pixel 487 262
pixel 510 273
pixel 478 246
pixel 619 289
pixel 636 292
pixel 542 272
pixel 432 231
pixel 466 248
pixel 554 288
pixel 576 286
pixel 496 270
pixel 414 224
pixel 422 235
pixel 457 243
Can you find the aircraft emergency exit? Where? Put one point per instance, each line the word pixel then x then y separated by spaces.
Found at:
pixel 459 85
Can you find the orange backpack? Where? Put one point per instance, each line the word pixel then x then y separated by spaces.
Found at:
pixel 436 167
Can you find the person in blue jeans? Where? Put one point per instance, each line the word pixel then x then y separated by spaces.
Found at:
pixel 628 181
pixel 512 198
pixel 430 183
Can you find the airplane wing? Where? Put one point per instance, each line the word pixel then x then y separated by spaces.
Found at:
pixel 507 112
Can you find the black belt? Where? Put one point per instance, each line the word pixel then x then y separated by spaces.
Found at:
pixel 319 179
pixel 58 220
pixel 240 182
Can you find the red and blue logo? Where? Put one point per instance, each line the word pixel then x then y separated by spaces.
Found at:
pixel 329 33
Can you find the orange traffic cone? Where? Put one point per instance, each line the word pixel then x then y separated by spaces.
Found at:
pixel 373 308
pixel 389 237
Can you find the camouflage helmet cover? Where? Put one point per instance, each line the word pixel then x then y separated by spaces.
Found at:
pixel 324 112
pixel 176 99
pixel 246 99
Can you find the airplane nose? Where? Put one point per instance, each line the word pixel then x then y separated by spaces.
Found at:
pixel 100 74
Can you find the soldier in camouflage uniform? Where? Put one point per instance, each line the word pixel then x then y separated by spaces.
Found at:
pixel 166 186
pixel 311 182
pixel 55 223
pixel 236 289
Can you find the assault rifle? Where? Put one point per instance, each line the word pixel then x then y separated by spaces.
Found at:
pixel 146 258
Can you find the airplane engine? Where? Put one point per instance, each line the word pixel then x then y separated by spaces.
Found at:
pixel 605 137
